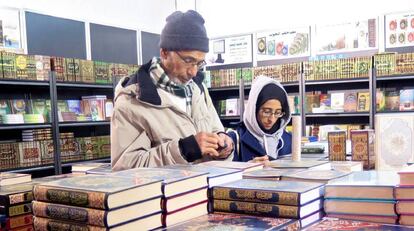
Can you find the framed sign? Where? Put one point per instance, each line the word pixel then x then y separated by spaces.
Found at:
pixel 283 44
pixel 399 30
pixel 231 50
pixel 346 37
pixel 10 36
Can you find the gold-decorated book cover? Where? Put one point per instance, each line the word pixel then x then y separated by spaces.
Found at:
pixel 362 143
pixel 337 145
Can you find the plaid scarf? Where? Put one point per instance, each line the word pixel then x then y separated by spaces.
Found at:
pixel 161 80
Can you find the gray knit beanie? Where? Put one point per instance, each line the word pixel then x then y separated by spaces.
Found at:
pixel 184 31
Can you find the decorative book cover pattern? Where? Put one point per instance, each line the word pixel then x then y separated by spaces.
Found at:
pixel 337 145
pixel 362 142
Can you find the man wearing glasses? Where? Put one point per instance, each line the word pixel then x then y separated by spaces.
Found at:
pixel 163 114
pixel 261 136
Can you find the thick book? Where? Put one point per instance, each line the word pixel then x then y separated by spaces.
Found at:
pixel 337 145
pixel 102 170
pixel 269 173
pixel 243 166
pixel 95 191
pixel 277 192
pixel 228 221
pixel 150 222
pixel 10 178
pixel 360 206
pixel 85 166
pixel 370 218
pixel 184 214
pixel 362 147
pixel 86 71
pixel 304 164
pixel 15 194
pixel 16 210
pixel 17 221
pixel 216 175
pixel 23 228
pixel 98 217
pixel 407 220
pixel 394 140
pixel 320 176
pixel 178 202
pixel 375 185
pixel 405 207
pixel 270 210
pixel 404 192
pixel 347 166
pixel 334 224
pixel 407 176
pixel 174 181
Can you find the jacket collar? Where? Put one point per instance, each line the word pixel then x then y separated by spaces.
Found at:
pixel 148 90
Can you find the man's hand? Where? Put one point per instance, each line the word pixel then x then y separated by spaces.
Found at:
pixel 208 143
pixel 226 145
pixel 261 159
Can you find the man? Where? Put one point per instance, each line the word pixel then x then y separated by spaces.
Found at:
pixel 163 114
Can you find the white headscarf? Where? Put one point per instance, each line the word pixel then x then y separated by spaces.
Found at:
pixel 268 141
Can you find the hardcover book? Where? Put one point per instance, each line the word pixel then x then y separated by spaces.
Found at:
pixel 228 221
pixel 243 166
pixel 9 65
pixel 337 145
pixel 16 222
pixel 21 66
pixel 42 67
pixel 370 218
pixel 407 100
pixel 404 192
pixel 362 143
pixel 350 104
pixel 270 210
pixel 101 72
pixel 101 192
pixel 320 176
pixel 347 166
pixel 332 224
pixel 58 65
pixel 304 164
pixel 364 185
pixel 31 67
pixel 150 222
pixel 97 217
pixel 363 101
pixel 407 176
pixel 174 181
pixel 10 178
pixel 101 170
pixel 16 210
pixel 407 220
pixel 15 194
pixel 278 192
pixel 360 206
pixel 269 173
pixel 394 140
pixel 215 175
pixel 70 70
pixel 86 71
pixel 187 199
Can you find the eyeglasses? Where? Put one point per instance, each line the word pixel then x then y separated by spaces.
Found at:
pixel 191 61
pixel 268 113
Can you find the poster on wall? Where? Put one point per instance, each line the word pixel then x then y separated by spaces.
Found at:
pixel 283 44
pixel 231 50
pixel 346 37
pixel 9 29
pixel 399 30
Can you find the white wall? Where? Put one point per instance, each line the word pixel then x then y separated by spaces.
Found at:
pixel 227 17
pixel 147 15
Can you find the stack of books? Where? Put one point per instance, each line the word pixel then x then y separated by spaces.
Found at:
pixel 404 193
pixel 216 176
pixel 282 199
pixel 365 195
pixel 94 202
pixel 184 193
pixel 15 201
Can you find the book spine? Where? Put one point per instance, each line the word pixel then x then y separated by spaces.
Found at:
pixel 16 210
pixel 69 197
pixel 271 210
pixel 284 198
pixel 19 198
pixel 19 221
pixel 44 224
pixel 70 213
pixel 25 228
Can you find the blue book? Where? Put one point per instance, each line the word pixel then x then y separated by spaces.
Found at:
pixel 216 175
pixel 174 181
pixel 227 221
pixel 74 106
pixel 96 191
pixel 373 185
pixel 277 192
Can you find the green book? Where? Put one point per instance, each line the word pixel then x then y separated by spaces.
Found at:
pixel 21 66
pixel 9 65
pixel 31 67
pixel 4 107
pixel 101 70
pixel 70 70
pixel 76 70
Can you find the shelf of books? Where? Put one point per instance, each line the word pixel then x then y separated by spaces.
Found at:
pixel 84 85
pixel 25 83
pixel 84 123
pixel 343 114
pixel 24 126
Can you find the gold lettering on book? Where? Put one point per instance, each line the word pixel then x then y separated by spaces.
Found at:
pixel 67 197
pixel 289 198
pixel 245 194
pixel 21 197
pixel 245 206
pixel 288 211
pixel 264 208
pixel 221 205
pixel 264 195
